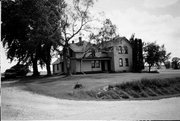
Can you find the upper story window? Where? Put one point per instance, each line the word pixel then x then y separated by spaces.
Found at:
pixel 120 62
pixel 120 50
pixel 125 50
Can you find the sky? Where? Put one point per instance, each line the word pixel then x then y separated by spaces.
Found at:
pixel 150 20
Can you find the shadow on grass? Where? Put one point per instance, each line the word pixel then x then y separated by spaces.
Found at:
pixel 43 79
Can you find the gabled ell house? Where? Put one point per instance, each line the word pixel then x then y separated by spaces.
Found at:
pixel 111 56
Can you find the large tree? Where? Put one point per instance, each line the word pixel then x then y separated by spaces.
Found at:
pixel 75 19
pixel 137 46
pixel 45 29
pixel 29 30
pixel 14 30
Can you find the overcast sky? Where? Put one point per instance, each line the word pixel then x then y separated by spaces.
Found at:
pixel 150 20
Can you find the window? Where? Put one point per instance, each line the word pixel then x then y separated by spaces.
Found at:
pixel 120 50
pixel 127 62
pixel 57 67
pixel 95 64
pixel 125 49
pixel 120 62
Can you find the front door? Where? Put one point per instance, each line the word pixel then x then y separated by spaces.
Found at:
pixel 103 65
pixel 109 65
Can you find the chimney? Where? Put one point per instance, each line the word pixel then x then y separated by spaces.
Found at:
pixel 80 40
pixel 73 42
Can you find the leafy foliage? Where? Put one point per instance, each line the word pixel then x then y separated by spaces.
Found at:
pixel 14 30
pixel 107 32
pixel 30 29
pixel 137 47
pixel 155 54
pixel 176 63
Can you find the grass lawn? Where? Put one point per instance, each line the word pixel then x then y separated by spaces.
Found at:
pixel 63 87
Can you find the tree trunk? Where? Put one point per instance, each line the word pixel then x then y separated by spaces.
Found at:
pixel 67 61
pixel 68 67
pixel 48 69
pixel 35 67
pixel 149 68
pixel 48 60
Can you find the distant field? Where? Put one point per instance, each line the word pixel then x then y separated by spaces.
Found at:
pixel 63 87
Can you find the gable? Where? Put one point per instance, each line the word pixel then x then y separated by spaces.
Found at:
pixel 118 41
pixel 77 47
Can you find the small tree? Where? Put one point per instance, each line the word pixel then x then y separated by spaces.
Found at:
pixel 155 54
pixel 167 64
pixel 152 55
pixel 164 56
pixel 175 63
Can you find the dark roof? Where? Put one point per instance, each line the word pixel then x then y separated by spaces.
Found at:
pixel 117 39
pixel 80 47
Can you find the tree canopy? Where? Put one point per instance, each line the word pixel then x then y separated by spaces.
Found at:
pixel 176 63
pixel 107 32
pixel 137 47
pixel 75 18
pixel 155 54
pixel 30 28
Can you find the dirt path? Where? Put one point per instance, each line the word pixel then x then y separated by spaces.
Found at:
pixel 20 105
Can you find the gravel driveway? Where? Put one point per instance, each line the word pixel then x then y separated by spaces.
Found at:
pixel 20 105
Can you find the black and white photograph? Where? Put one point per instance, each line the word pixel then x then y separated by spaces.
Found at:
pixel 90 59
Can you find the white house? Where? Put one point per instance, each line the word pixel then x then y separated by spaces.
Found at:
pixel 115 56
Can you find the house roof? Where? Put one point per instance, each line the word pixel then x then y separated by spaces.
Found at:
pixel 117 40
pixel 80 47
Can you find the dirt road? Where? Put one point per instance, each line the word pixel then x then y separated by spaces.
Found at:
pixel 20 105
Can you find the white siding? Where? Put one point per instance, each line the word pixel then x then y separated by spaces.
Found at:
pixel 57 68
pixel 86 66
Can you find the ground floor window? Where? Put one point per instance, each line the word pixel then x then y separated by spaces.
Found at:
pixel 120 62
pixel 57 67
pixel 127 62
pixel 95 64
